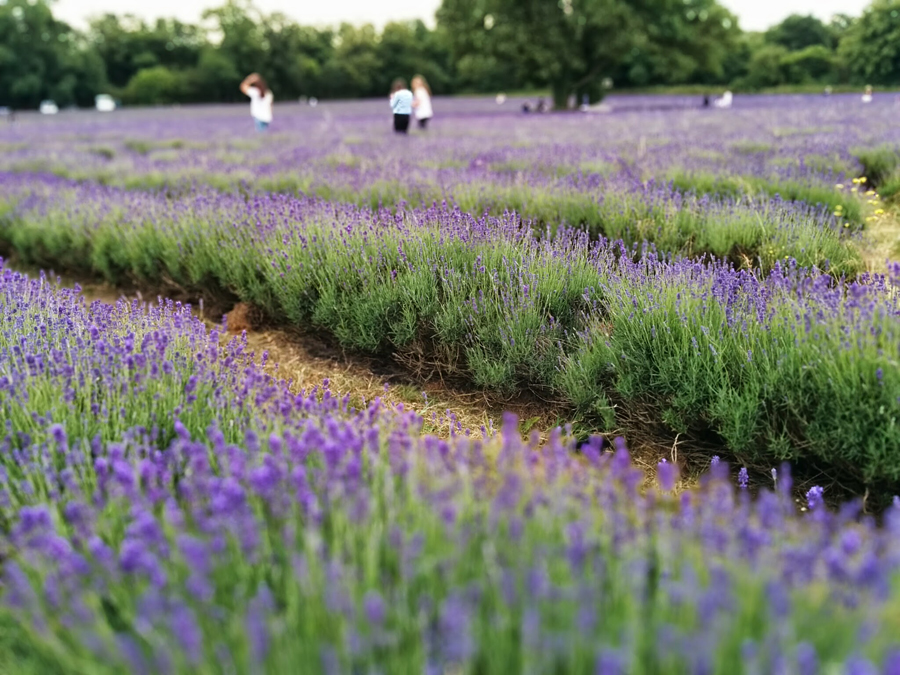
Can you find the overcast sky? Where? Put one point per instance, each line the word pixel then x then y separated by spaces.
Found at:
pixel 754 14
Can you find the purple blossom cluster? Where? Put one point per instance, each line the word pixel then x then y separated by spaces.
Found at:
pixel 327 539
pixel 166 506
pixel 793 359
pixel 351 144
pixel 478 155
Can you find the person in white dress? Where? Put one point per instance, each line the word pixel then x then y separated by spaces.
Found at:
pixel 261 98
pixel 422 101
pixel 725 101
pixel 867 95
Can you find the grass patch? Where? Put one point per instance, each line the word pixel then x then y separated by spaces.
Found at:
pixel 103 151
pixel 879 165
pixel 787 132
pixel 446 164
pixel 751 148
pixel 791 190
pixel 145 146
pixel 342 161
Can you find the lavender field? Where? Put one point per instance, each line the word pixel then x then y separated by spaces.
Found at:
pixel 722 281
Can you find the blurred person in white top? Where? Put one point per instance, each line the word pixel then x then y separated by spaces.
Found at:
pixel 401 105
pixel 422 101
pixel 261 99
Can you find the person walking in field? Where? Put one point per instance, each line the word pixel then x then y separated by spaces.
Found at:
pixel 402 105
pixel 254 86
pixel 422 101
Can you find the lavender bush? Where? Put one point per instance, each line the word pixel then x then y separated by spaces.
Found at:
pixel 789 365
pixel 588 171
pixel 312 537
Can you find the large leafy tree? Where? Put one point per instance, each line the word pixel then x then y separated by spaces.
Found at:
pixel 798 32
pixel 481 59
pixel 41 57
pixel 295 56
pixel 572 45
pixel 409 48
pixel 870 46
pixel 678 42
pixel 239 25
pixel 355 68
pixel 126 44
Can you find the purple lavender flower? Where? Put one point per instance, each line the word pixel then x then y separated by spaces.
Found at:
pixel 807 659
pixel 455 640
pixel 374 608
pixel 609 662
pixel 814 498
pixel 666 474
pixel 256 623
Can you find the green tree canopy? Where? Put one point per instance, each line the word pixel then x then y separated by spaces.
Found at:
pixel 799 32
pixel 569 46
pixel 871 45
pixel 41 57
pixel 126 44
pixel 572 45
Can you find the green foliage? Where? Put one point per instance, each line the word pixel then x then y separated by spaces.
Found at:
pixel 878 164
pixel 871 44
pixel 765 68
pixel 571 47
pixel 812 64
pixel 772 65
pixel 41 58
pixel 809 193
pixel 800 383
pixel 127 45
pixel 154 85
pixel 24 652
pixel 692 44
pixel 798 32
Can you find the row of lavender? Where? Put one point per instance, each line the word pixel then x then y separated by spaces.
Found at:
pixel 216 522
pixel 799 137
pixel 792 364
pixel 553 169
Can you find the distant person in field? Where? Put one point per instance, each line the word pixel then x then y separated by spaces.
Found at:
pixel 402 105
pixel 867 94
pixel 422 101
pixel 254 86
pixel 725 101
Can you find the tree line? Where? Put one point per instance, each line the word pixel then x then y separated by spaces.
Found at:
pixel 576 48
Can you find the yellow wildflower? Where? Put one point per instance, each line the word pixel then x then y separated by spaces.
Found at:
pixel 839 186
